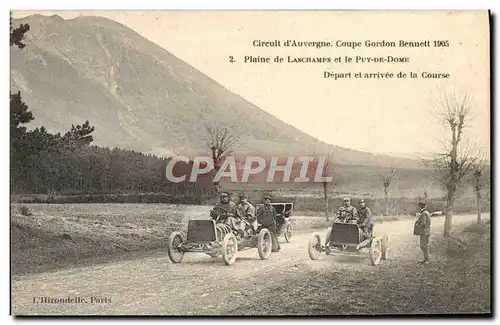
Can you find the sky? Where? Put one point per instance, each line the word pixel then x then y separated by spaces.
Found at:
pixel 380 116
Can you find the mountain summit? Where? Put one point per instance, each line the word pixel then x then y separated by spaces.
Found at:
pixel 141 97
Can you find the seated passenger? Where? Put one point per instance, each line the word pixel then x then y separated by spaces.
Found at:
pixel 245 221
pixel 365 222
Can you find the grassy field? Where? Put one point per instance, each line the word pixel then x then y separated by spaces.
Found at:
pixel 58 235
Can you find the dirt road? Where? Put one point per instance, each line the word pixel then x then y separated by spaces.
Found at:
pixel 199 285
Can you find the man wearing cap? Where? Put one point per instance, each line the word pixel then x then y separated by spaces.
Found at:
pixel 267 218
pixel 347 212
pixel 423 229
pixel 223 209
pixel 365 222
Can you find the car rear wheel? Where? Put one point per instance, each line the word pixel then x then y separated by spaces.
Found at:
pixel 264 244
pixel 314 247
pixel 174 252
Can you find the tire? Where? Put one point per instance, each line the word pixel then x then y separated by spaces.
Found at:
pixel 376 251
pixel 288 232
pixel 385 247
pixel 264 244
pixel 175 239
pixel 229 249
pixel 314 247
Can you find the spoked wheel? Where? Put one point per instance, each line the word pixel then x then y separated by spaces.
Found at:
pixel 385 247
pixel 264 244
pixel 229 249
pixel 288 232
pixel 376 251
pixel 174 253
pixel 314 247
pixel 327 239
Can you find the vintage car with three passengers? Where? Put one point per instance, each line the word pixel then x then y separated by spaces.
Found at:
pixel 218 238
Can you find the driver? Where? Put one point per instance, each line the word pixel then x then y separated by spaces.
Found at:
pixel 347 213
pixel 224 208
pixel 365 222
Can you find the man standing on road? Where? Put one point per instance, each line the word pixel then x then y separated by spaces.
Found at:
pixel 223 209
pixel 423 229
pixel 267 218
pixel 347 212
pixel 365 222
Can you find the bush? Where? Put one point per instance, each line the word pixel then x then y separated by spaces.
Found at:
pixel 23 210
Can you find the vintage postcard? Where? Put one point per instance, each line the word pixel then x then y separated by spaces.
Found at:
pixel 250 163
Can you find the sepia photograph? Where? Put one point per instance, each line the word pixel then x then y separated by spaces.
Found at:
pixel 250 163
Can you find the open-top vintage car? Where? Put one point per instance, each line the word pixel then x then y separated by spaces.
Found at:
pixel 283 214
pixel 217 239
pixel 346 239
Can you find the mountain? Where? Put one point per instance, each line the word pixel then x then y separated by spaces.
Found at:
pixel 141 97
pixel 409 155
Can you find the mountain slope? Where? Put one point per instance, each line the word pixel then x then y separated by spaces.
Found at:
pixel 141 97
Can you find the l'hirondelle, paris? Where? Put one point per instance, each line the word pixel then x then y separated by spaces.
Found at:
pixel 253 165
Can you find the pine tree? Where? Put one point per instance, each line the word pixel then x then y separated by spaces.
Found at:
pixel 79 136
